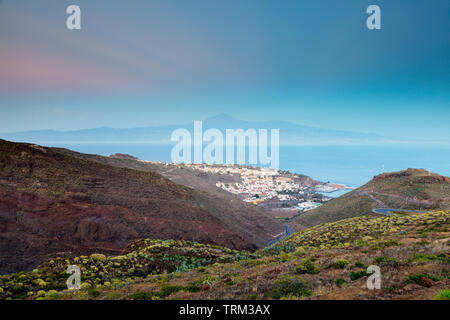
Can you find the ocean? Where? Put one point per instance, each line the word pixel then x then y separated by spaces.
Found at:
pixel 349 165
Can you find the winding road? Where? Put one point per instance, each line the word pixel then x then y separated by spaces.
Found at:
pixel 287 233
pixel 383 211
pixel 388 211
pixel 373 198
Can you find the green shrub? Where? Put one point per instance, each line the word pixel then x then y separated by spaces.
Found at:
pixel 141 295
pixel 168 290
pixel 201 269
pixel 192 287
pixel 93 292
pixel 430 257
pixel 443 295
pixel 387 261
pixel 290 287
pixel 417 278
pixel 306 266
pixel 358 274
pixel 52 295
pixel 98 257
pixel 19 291
pixel 388 243
pixel 273 250
pixel 112 296
pixel 359 265
pixel 339 282
pixel 340 264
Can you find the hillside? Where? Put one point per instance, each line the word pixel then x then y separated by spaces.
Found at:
pixel 409 189
pixel 56 201
pixel 328 261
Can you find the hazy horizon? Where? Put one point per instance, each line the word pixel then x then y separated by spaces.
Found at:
pixel 167 62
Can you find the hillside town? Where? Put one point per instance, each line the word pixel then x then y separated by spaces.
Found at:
pixel 283 194
pixel 283 191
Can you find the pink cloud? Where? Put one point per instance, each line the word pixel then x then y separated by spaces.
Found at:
pixel 41 55
pixel 25 68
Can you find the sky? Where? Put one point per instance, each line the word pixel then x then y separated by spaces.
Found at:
pixel 145 63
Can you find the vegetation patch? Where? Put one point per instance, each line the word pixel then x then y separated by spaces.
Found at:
pixel 93 292
pixel 168 290
pixel 276 249
pixel 358 264
pixel 141 295
pixel 139 260
pixel 340 264
pixel 443 295
pixel 291 287
pixel 422 257
pixel 164 292
pixel 419 278
pixel 306 266
pixel 339 282
pixel 387 261
pixel 355 275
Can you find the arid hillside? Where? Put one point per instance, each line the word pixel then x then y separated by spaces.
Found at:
pixel 58 202
pixel 413 189
pixel 328 261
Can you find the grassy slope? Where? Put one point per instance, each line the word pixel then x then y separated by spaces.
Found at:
pixel 346 206
pixel 409 249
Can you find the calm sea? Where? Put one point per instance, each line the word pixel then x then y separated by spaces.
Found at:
pixel 350 165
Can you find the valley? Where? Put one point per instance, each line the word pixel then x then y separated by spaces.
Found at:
pixel 55 201
pixel 141 230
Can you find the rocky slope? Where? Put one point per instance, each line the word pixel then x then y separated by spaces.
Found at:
pixel 55 201
pixel 328 261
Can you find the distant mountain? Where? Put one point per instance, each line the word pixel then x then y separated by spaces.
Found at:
pixel 409 189
pixel 56 201
pixel 290 133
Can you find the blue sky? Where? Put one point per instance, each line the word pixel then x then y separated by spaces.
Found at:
pixel 142 63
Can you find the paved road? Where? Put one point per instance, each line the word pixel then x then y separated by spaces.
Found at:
pixel 406 199
pixel 373 198
pixel 287 233
pixel 384 211
pixel 388 211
